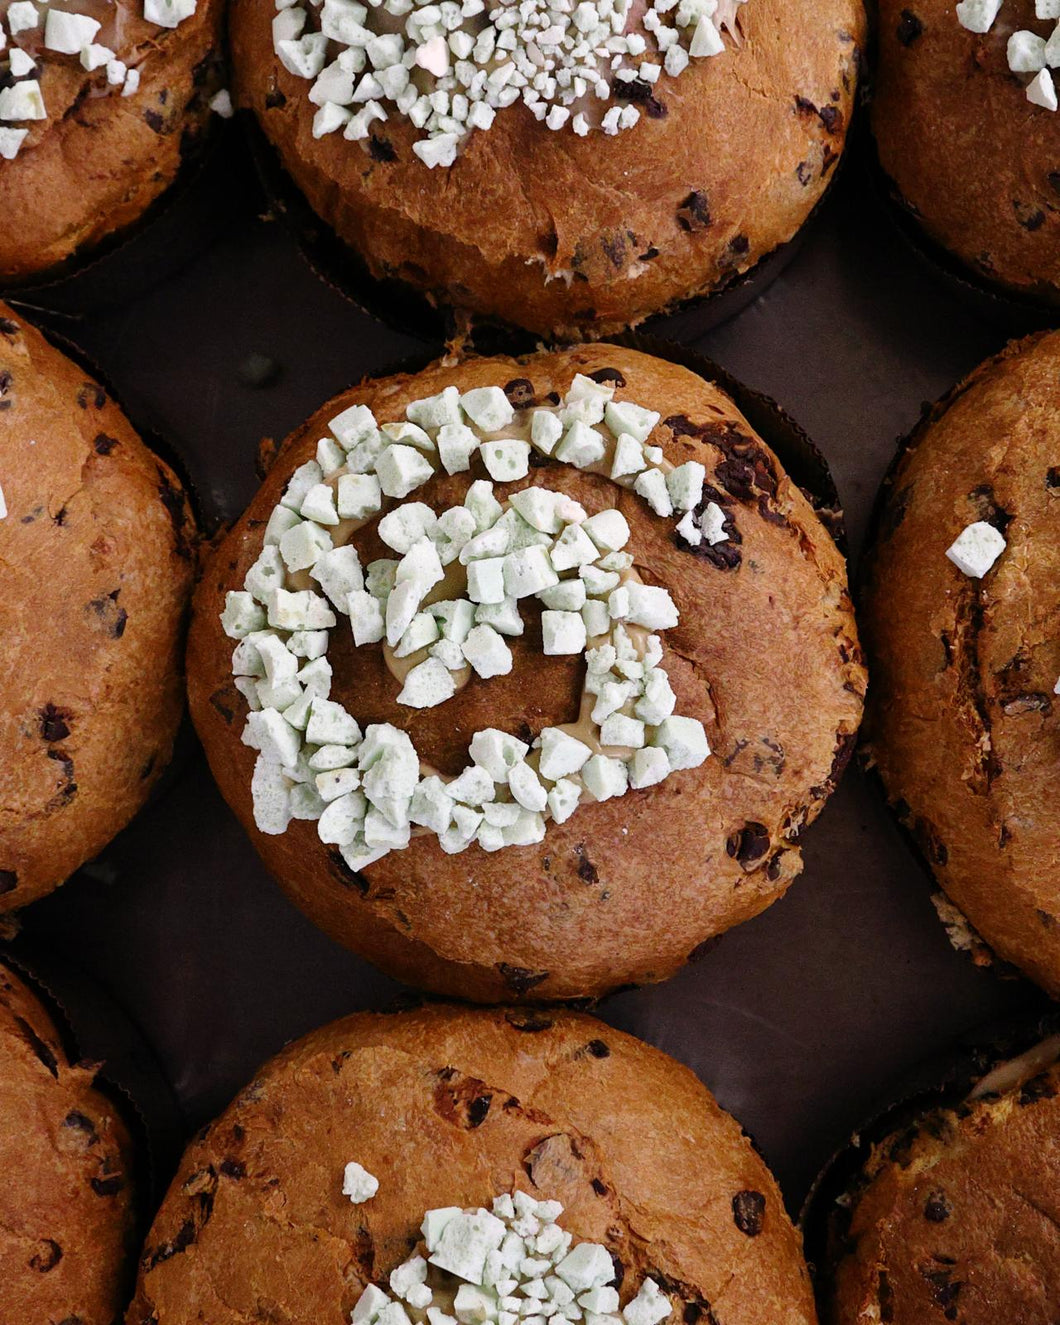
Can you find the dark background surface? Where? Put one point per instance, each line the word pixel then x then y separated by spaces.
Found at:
pixel 799 1021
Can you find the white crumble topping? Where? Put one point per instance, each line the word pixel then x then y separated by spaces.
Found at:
pixel 57 34
pixel 1029 53
pixel 3 505
pixel 358 1184
pixel 511 1264
pixel 976 549
pixel 443 609
pixel 450 65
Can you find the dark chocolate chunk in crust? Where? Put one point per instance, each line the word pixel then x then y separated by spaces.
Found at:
pixel 748 1212
pixel 520 980
pixel 694 212
pixel 530 1023
pixel 47 1256
pixel 909 27
pixel 55 723
pixel 937 1208
pixel 8 881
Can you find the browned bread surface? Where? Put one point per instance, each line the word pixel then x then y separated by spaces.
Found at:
pixel 957 1219
pixel 452 1107
pixel 98 553
pixel 66 1200
pixel 974 161
pixel 95 165
pixel 963 723
pixel 765 655
pixel 587 235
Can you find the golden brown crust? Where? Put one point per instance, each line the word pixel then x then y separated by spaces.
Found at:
pixel 627 889
pixel 957 1219
pixel 452 1107
pixel 99 560
pixel 962 723
pixel 974 161
pixel 98 162
pixel 66 1202
pixel 551 231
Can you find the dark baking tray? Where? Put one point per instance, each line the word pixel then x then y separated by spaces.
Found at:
pixel 798 1020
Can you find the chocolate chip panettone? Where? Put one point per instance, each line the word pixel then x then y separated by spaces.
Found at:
pixel 366 672
pixel 963 722
pixel 66 1199
pixel 545 1157
pixel 570 169
pixel 966 124
pixel 954 1217
pixel 100 103
pixel 97 543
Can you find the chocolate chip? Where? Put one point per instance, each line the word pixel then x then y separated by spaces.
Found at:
pixel 6 378
pixel 937 1208
pixel 274 98
pixel 381 149
pixel 600 1188
pixel 8 881
pixel 185 1237
pixel 47 1258
pixel 234 1169
pixel 614 246
pixel 110 616
pixel 154 120
pixel 347 877
pixel 520 393
pixel 1052 479
pixel 478 1110
pixel 694 212
pixel 530 1023
pixel 519 979
pixel 55 723
pixel 598 1049
pixel 749 844
pixel 642 92
pixel 587 871
pixel 110 1186
pixel 91 394
pixel 944 1289
pixel 804 173
pixel 172 498
pixel 748 1211
pixel 1031 218
pixel 79 1122
pixel 8 327
pixel 909 27
pixel 608 376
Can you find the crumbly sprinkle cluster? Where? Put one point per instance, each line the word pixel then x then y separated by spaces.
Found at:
pixel 976 551
pixel 1028 52
pixel 443 609
pixel 450 65
pixel 62 32
pixel 502 1267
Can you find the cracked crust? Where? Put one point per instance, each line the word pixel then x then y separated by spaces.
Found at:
pixel 98 162
pixel 956 1218
pixel 587 236
pixel 766 656
pixel 972 160
pixel 963 723
pixel 452 1107
pixel 66 1203
pixel 98 558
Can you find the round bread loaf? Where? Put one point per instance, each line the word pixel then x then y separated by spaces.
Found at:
pixel 765 656
pixel 963 721
pixel 970 158
pixel 453 1107
pixel 585 235
pixel 66 1203
pixel 97 543
pixel 84 152
pixel 953 1218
